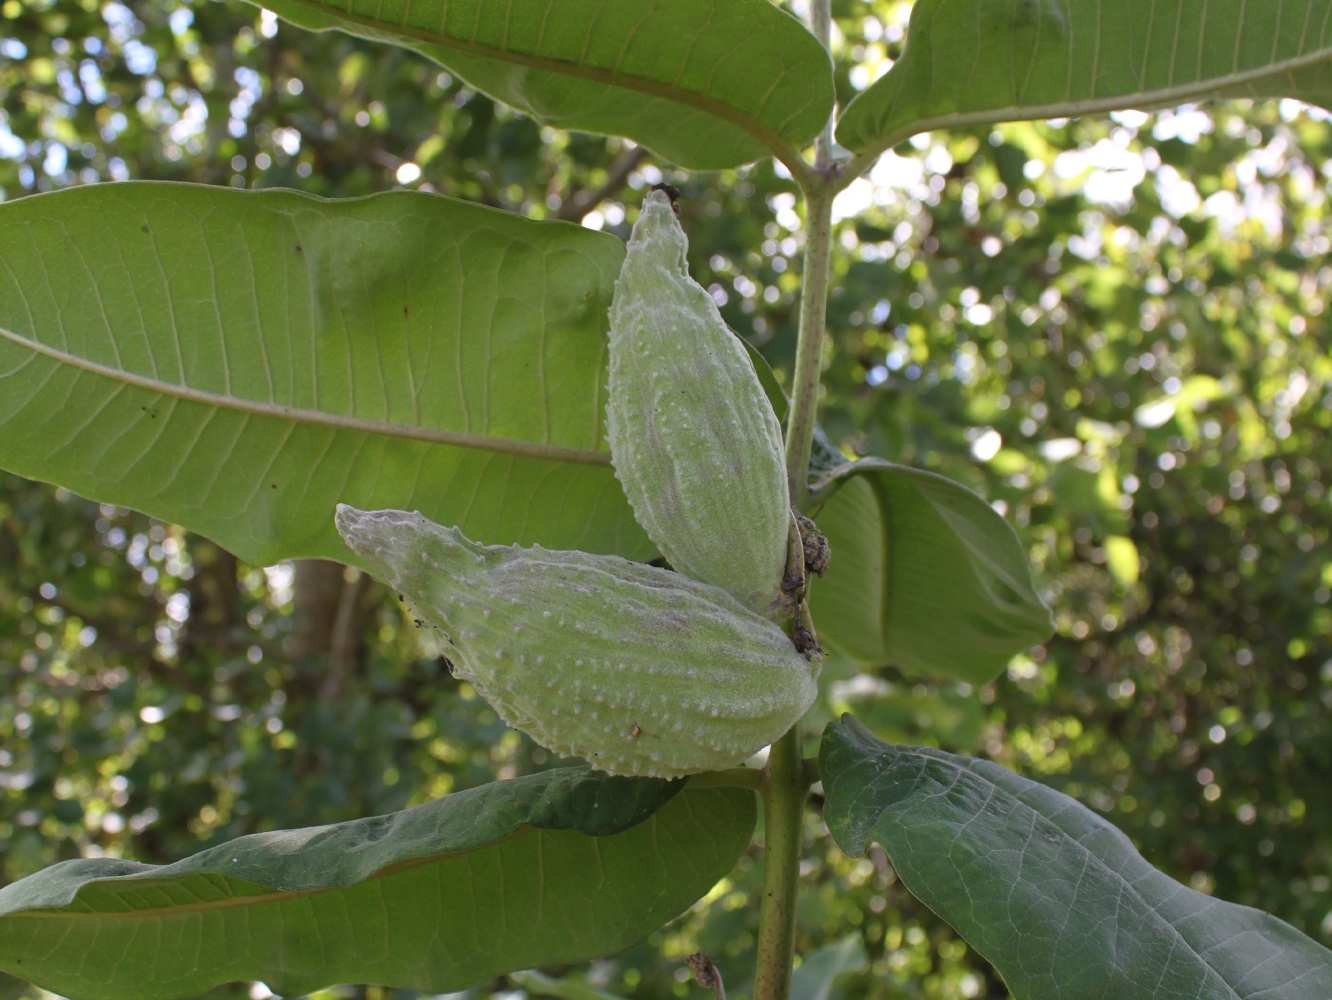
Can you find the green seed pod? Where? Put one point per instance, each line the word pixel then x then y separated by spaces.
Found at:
pixel 636 669
pixel 693 438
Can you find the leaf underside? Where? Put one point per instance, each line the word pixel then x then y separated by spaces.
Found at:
pixel 677 76
pixel 240 362
pixel 925 576
pixel 971 62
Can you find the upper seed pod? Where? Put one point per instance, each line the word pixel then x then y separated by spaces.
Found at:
pixel 637 670
pixel 692 436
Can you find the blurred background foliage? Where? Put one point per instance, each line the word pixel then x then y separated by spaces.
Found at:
pixel 1114 330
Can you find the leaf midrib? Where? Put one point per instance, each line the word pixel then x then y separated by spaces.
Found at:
pixel 1161 97
pixel 274 894
pixel 299 415
pixel 772 140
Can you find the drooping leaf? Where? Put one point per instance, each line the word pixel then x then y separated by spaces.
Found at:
pixel 924 576
pixel 1053 895
pixel 707 83
pixel 969 62
pixel 239 362
pixel 557 867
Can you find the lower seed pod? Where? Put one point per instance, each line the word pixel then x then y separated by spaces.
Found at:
pixel 638 670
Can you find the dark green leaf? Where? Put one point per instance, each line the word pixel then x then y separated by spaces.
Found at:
pixel 554 868
pixel 1054 896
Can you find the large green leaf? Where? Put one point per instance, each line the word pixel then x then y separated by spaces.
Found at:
pixel 970 62
pixel 1050 893
pixel 706 83
pixel 924 576
pixel 239 362
pixel 557 867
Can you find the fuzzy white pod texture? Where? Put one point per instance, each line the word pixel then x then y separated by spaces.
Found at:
pixel 693 439
pixel 638 670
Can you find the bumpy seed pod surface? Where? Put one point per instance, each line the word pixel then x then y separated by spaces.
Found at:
pixel 693 438
pixel 637 670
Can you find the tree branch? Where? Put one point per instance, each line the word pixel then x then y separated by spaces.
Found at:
pixel 576 207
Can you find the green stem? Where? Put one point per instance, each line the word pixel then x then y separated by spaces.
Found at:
pixel 852 169
pixel 809 347
pixel 820 187
pixel 783 807
pixel 786 778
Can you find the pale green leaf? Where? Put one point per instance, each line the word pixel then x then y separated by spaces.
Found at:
pixel 819 969
pixel 972 62
pixel 706 83
pixel 554 868
pixel 239 362
pixel 925 576
pixel 1050 893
